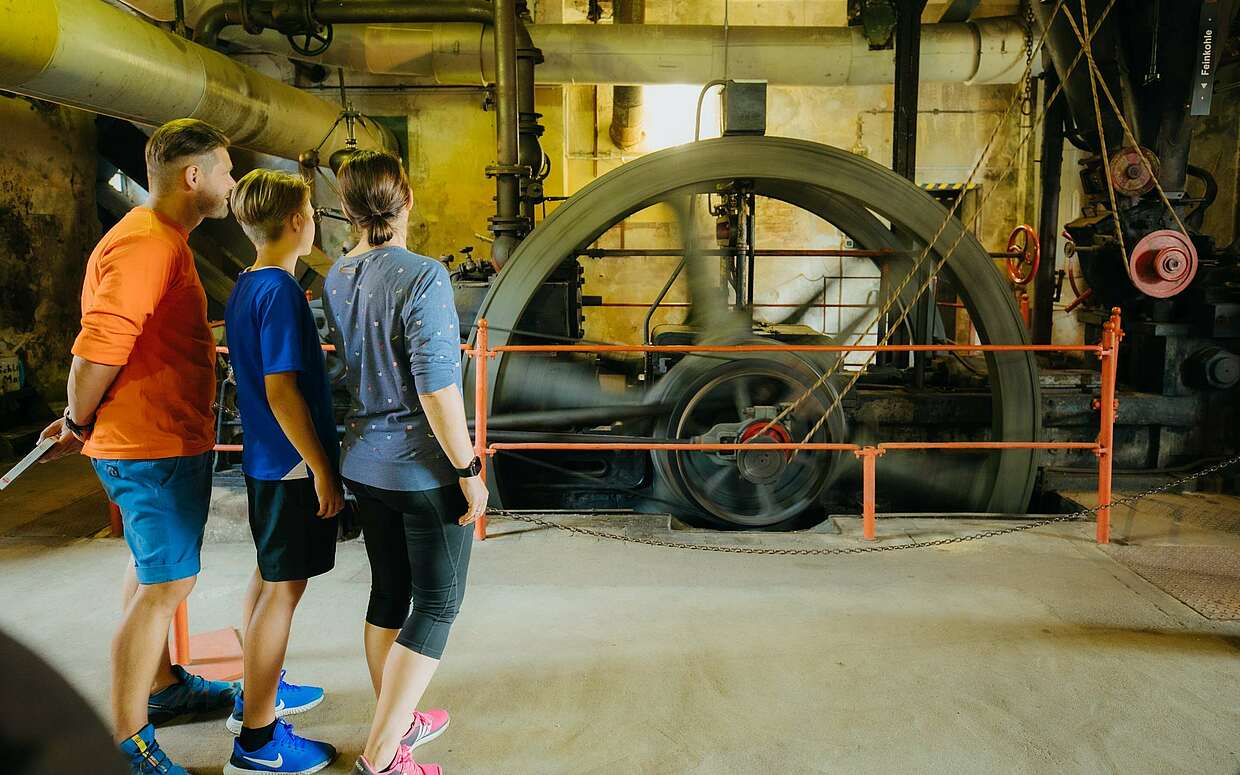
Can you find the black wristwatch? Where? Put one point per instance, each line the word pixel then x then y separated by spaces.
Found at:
pixel 81 431
pixel 473 469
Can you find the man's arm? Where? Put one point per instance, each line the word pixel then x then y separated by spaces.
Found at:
pixel 291 412
pixel 88 381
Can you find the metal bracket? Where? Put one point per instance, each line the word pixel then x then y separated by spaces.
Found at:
pixel 495 170
pixel 876 18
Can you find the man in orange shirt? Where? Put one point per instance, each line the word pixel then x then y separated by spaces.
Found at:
pixel 141 390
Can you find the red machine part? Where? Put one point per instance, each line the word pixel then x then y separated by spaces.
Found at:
pixel 777 434
pixel 1163 263
pixel 1129 175
pixel 1082 296
pixel 1024 251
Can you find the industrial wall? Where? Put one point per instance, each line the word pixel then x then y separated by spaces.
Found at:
pixel 48 226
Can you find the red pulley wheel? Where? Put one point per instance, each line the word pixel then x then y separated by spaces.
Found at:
pixel 1163 263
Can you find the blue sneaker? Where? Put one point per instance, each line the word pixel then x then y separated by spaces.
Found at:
pixel 286 753
pixel 145 757
pixel 291 699
pixel 190 694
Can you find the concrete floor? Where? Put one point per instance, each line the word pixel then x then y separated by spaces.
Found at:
pixel 1033 653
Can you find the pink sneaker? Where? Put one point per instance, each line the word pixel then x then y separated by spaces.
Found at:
pixel 403 764
pixel 425 727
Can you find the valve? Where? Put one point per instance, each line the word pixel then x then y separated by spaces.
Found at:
pixel 1023 254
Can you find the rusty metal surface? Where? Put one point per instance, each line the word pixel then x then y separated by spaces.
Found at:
pixel 1204 578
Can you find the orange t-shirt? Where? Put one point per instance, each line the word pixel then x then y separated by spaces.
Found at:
pixel 143 308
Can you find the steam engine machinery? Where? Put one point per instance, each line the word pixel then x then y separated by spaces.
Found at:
pixel 1139 243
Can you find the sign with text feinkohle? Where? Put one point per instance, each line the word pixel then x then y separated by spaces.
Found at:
pixel 1209 41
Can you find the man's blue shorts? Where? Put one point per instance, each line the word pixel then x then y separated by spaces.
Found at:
pixel 164 507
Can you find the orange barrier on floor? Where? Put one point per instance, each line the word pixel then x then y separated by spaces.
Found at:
pixel 1107 351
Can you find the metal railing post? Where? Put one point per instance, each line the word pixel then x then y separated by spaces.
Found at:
pixel 180 635
pixel 115 523
pixel 1107 405
pixel 868 456
pixel 481 355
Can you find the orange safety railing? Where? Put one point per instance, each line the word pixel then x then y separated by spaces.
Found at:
pixel 1107 351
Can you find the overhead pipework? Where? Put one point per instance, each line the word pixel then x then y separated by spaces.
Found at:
pixel 987 51
pixel 90 55
pixel 309 31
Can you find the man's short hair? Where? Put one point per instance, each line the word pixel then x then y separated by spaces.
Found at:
pixel 180 139
pixel 264 200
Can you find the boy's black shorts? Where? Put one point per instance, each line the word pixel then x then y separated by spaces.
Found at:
pixel 293 543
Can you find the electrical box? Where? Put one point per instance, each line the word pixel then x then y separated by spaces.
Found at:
pixel 744 108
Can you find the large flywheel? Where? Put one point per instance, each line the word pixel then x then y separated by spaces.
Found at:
pixel 728 396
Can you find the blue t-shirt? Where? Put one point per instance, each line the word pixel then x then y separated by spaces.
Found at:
pixel 394 323
pixel 271 330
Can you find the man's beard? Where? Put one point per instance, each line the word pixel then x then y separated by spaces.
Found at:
pixel 212 207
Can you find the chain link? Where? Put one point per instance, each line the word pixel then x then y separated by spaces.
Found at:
pixel 1027 19
pixel 1076 516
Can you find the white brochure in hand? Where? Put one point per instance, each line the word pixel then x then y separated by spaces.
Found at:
pixel 26 462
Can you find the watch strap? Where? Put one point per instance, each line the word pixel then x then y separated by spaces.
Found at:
pixel 473 469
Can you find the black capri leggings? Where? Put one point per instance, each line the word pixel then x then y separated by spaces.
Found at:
pixel 418 553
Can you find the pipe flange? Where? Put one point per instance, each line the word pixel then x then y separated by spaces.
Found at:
pixel 1163 263
pixel 495 170
pixel 514 225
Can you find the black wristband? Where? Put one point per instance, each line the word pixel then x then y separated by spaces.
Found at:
pixel 81 431
pixel 473 469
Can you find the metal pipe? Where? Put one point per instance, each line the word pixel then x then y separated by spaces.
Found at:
pixel 987 51
pixel 481 407
pixel 93 56
pixel 1112 334
pixel 1048 225
pixel 626 101
pixel 1063 47
pixel 570 418
pixel 210 24
pixel 382 11
pixel 529 152
pixel 868 457
pixel 506 224
pixel 904 146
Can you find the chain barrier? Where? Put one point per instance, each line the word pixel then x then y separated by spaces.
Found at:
pixel 1076 516
pixel 1027 21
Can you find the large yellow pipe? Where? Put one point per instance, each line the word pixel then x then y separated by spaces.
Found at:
pixel 90 55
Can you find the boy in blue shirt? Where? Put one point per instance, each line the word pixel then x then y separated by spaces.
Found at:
pixel 290 460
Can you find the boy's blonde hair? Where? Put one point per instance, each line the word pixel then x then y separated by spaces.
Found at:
pixel 264 200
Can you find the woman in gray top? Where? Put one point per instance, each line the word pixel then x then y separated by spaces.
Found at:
pixel 407 454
